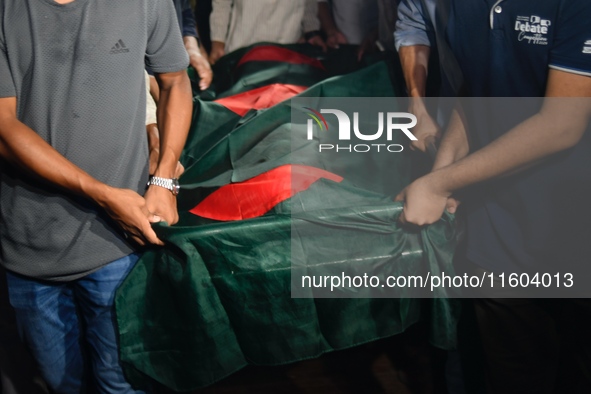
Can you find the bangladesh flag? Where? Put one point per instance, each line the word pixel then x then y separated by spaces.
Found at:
pixel 260 209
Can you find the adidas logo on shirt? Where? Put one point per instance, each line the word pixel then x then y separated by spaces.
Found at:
pixel 119 47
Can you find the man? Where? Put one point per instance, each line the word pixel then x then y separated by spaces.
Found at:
pixel 72 114
pixel 527 207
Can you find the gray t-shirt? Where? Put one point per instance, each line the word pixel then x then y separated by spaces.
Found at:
pixel 77 72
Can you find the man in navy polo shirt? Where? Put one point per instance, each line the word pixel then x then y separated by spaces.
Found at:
pixel 528 177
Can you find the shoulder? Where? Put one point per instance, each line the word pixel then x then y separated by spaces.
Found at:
pixel 578 9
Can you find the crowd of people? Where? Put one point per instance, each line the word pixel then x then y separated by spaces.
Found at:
pixel 81 81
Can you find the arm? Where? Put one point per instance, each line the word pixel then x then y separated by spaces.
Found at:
pixel 198 61
pixel 174 118
pixel 153 146
pixel 454 144
pixel 334 36
pixel 368 45
pixel 558 126
pixel 151 126
pixel 414 60
pixel 219 21
pixel 311 24
pixel 413 46
pixel 22 147
pixel 196 58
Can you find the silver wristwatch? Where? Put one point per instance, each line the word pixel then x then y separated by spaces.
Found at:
pixel 171 184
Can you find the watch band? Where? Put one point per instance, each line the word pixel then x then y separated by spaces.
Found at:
pixel 171 184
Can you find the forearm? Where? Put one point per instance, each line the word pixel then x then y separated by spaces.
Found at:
pixel 153 137
pixel 191 46
pixel 326 19
pixel 414 60
pixel 174 118
pixel 203 51
pixel 154 89
pixel 22 147
pixel 454 144
pixel 551 131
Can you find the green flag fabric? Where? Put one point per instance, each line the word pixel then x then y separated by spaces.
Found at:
pixel 218 296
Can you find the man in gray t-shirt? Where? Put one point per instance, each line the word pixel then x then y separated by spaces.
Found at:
pixel 73 200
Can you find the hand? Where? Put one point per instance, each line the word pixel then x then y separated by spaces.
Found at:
pixel 424 201
pixel 317 41
pixel 218 49
pixel 201 65
pixel 452 205
pixel 335 38
pixel 162 204
pixel 426 130
pixel 368 45
pixel 131 212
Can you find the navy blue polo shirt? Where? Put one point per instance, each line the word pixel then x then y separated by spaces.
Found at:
pixel 505 48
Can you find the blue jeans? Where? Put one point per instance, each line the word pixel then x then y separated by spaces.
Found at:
pixel 67 324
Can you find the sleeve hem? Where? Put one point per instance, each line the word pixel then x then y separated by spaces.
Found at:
pixel 169 68
pixel 190 33
pixel 411 41
pixel 572 70
pixel 218 39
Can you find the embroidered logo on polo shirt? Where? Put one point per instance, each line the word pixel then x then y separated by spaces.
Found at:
pixel 532 29
pixel 119 47
pixel 587 47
